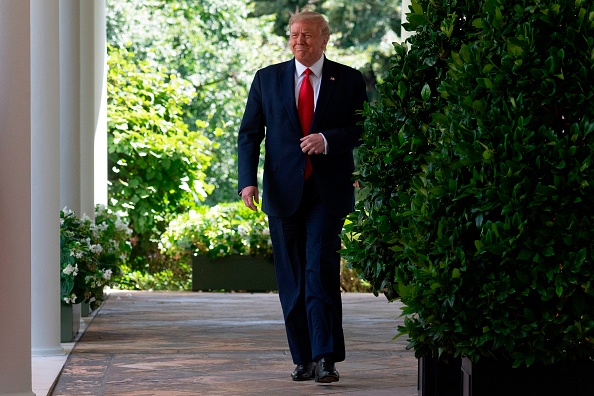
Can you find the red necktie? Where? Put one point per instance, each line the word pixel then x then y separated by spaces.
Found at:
pixel 305 107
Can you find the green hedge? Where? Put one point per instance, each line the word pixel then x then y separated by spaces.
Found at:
pixel 477 207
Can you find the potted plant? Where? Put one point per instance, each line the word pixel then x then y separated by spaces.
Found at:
pixel 476 202
pixel 229 246
pixel 90 253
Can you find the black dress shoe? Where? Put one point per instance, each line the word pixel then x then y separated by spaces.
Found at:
pixel 304 372
pixel 326 371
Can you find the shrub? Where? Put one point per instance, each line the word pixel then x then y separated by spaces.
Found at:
pixel 156 161
pixel 91 252
pixel 160 273
pixel 476 167
pixel 217 231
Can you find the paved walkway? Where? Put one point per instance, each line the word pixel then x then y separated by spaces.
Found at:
pixel 193 343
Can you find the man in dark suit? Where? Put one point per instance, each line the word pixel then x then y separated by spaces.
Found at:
pixel 307 109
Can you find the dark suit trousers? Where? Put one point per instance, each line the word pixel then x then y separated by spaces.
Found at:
pixel 307 261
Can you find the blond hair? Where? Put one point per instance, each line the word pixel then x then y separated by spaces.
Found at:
pixel 311 16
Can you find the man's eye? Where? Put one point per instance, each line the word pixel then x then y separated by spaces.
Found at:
pixel 296 36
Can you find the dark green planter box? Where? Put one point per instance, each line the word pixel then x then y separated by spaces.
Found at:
pixel 439 378
pixel 69 321
pixel 85 309
pixel 240 273
pixel 489 377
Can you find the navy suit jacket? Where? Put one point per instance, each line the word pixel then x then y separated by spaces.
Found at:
pixel 271 113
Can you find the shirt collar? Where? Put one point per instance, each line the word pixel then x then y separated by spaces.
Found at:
pixel 316 68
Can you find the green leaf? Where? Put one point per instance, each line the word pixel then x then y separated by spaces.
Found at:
pixel 478 244
pixel 515 50
pixel 417 20
pixel 548 251
pixel 456 273
pixel 426 92
pixel 401 89
pixel 465 53
pixel 478 105
pixel 498 20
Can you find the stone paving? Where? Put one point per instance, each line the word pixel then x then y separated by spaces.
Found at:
pixel 194 343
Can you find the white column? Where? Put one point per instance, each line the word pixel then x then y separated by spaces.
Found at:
pixel 45 178
pixel 403 33
pixel 70 175
pixel 87 107
pixel 100 79
pixel 15 199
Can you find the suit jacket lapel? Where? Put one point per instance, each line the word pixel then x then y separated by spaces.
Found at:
pixel 329 81
pixel 287 81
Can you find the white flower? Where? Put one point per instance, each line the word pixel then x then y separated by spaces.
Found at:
pixel 96 248
pixel 71 299
pixel 76 253
pixel 94 230
pixel 266 231
pixel 122 226
pixel 241 230
pixel 107 274
pixel 71 270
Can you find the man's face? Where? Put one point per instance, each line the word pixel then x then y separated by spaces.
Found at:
pixel 307 42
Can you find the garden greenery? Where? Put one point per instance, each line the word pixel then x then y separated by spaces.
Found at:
pixel 477 176
pixel 156 163
pixel 216 47
pixel 222 230
pixel 91 252
pixel 179 73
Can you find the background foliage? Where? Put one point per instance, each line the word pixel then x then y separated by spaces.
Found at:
pixel 218 231
pixel 156 164
pixel 214 46
pixel 361 31
pixel 179 75
pixel 482 222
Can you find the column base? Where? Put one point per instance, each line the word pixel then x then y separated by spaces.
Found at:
pixel 48 351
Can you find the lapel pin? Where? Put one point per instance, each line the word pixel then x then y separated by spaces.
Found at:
pixel 332 78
